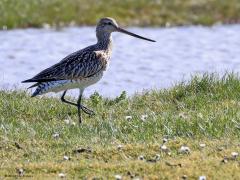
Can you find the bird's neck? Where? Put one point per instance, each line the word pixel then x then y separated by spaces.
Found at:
pixel 104 41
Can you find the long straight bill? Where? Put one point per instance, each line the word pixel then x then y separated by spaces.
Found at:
pixel 134 35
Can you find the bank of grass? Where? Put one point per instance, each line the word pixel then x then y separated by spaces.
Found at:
pixel 36 13
pixel 204 110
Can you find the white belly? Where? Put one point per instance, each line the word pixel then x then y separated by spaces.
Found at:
pixel 79 83
pixel 57 86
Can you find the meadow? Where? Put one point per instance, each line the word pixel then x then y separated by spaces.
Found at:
pixel 184 132
pixel 57 13
pixel 188 131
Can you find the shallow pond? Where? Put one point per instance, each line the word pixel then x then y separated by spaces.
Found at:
pixel 136 64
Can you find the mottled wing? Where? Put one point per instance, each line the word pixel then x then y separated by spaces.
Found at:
pixel 75 66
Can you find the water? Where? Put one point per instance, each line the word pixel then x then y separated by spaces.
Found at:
pixel 136 64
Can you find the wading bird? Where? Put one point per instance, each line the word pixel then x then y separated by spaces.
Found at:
pixel 81 68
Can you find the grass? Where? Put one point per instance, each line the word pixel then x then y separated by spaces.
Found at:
pixel 203 110
pixel 37 13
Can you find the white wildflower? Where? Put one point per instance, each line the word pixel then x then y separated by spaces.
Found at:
pixel 234 155
pixel 165 140
pixel 73 123
pixel 56 135
pixel 61 175
pixel 118 177
pixel 67 121
pixel 202 145
pixel 164 148
pixel 157 157
pixel 202 178
pixel 141 157
pixel 225 159
pixel 66 158
pixel 184 149
pixel 119 147
pixel 128 118
pixel 183 115
pixel 144 117
pixel 20 171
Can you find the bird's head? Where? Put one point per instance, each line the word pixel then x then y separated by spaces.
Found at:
pixel 109 25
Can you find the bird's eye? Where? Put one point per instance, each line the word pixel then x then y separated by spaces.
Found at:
pixel 109 23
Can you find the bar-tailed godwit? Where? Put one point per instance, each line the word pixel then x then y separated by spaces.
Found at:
pixel 81 68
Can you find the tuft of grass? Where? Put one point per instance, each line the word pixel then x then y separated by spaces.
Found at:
pixel 36 133
pixel 38 13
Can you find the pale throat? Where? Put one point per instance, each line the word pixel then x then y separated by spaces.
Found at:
pixel 104 40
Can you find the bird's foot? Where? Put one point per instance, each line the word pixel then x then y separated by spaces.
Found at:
pixel 87 111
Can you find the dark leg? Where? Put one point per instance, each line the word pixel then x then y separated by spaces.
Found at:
pixel 79 107
pixel 84 108
pixel 87 111
pixel 66 101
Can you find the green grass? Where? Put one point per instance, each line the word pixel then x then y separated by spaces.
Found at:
pixel 36 13
pixel 203 110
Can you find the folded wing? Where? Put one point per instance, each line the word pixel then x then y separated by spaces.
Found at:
pixel 75 66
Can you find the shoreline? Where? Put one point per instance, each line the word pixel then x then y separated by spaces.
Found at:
pixel 61 13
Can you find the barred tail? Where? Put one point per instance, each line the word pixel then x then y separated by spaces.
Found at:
pixel 51 86
pixel 37 91
pixel 41 89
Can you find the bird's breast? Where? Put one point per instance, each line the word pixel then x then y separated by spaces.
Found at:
pixel 106 64
pixel 104 57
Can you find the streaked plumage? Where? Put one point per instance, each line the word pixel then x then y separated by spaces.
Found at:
pixel 82 68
